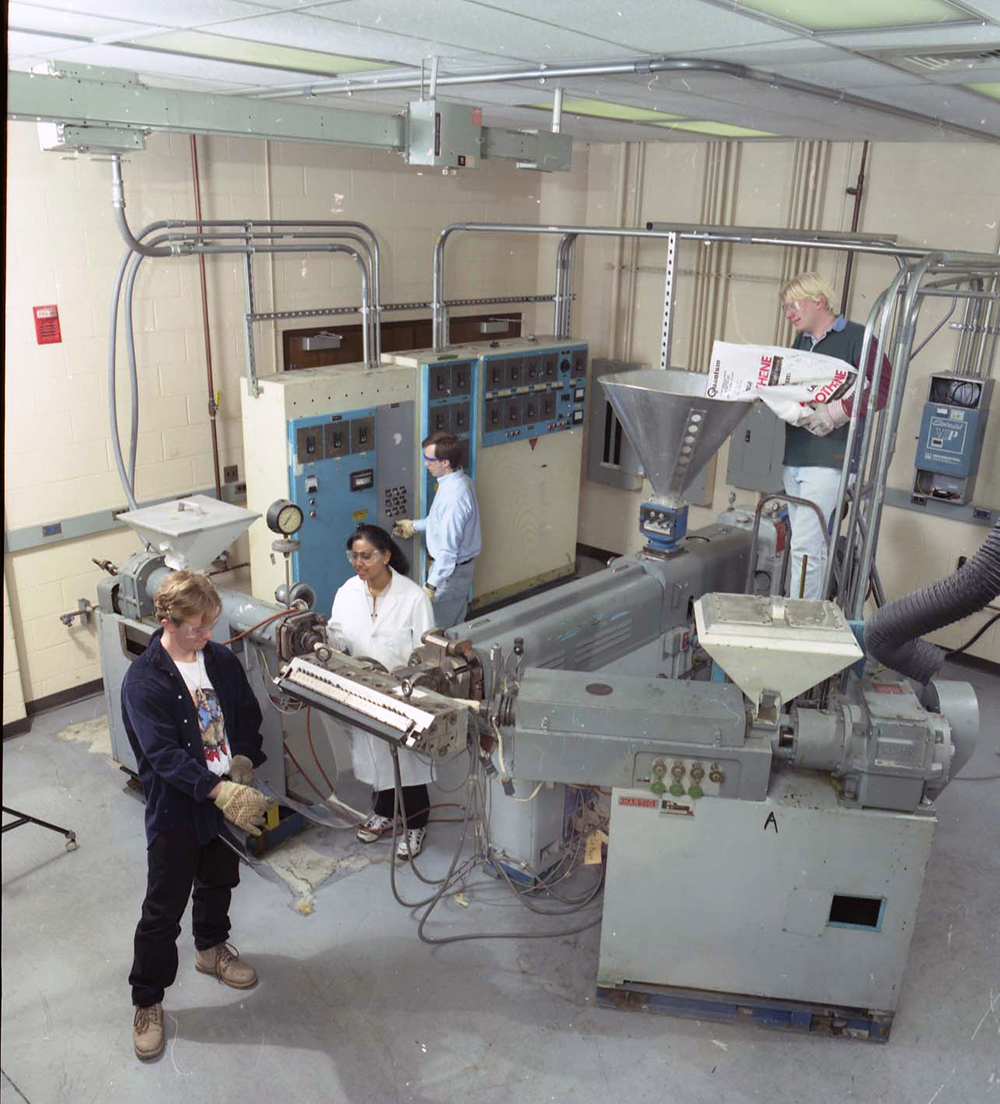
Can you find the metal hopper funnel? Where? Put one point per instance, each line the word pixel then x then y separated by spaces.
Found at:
pixel 191 532
pixel 673 426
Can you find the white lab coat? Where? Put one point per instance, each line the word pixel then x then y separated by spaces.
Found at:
pixel 403 615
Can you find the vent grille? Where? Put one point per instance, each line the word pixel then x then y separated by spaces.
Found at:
pixel 968 59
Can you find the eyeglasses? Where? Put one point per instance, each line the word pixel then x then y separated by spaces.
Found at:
pixel 362 557
pixel 432 459
pixel 194 631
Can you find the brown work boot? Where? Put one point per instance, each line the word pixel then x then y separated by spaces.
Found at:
pixel 224 962
pixel 147 1032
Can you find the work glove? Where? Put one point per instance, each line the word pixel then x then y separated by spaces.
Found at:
pixel 243 806
pixel 826 417
pixel 241 770
pixel 430 591
pixel 403 528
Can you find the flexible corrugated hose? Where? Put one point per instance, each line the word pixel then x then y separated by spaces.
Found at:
pixel 892 635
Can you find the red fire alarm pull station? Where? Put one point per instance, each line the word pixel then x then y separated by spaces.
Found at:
pixel 47 330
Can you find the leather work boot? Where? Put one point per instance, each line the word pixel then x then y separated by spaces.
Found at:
pixel 224 963
pixel 147 1032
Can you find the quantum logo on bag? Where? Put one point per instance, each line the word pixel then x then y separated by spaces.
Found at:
pixel 769 372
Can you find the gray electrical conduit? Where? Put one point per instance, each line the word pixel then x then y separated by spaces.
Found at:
pixel 129 482
pixel 368 319
pixel 137 246
pixel 892 635
pixel 642 67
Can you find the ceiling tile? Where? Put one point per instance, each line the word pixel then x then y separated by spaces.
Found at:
pixel 311 32
pixel 38 46
pixel 31 17
pixel 932 38
pixel 457 23
pixel 164 13
pixel 646 26
pixel 953 104
pixel 857 74
pixel 151 64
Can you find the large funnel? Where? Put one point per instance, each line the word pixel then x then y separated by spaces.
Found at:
pixel 766 642
pixel 673 426
pixel 190 532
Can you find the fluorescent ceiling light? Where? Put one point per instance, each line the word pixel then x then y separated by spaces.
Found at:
pixel 602 109
pixel 223 48
pixel 721 130
pixel 991 88
pixel 851 15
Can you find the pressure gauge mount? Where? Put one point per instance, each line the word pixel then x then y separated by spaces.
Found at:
pixel 284 517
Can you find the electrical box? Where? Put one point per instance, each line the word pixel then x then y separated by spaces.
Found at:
pixel 756 451
pixel 444 135
pixel 951 437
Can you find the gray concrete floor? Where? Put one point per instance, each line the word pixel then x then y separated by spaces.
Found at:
pixel 351 1007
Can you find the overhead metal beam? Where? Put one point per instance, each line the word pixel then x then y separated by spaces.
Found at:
pixel 78 97
pixel 96 99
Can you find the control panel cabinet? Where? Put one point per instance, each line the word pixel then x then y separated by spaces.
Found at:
pixel 341 443
pixel 534 395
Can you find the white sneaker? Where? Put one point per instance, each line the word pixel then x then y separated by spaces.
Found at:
pixel 411 843
pixel 375 828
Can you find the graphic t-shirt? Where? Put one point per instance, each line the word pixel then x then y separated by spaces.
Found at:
pixel 218 757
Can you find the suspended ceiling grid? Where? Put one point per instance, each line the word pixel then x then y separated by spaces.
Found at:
pixel 287 48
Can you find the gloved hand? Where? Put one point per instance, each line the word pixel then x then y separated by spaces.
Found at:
pixel 403 528
pixel 824 418
pixel 243 806
pixel 241 770
pixel 430 591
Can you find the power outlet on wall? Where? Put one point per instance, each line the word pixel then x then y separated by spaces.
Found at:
pixel 231 473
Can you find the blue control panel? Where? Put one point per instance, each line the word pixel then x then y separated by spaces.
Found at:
pixel 950 442
pixel 950 439
pixel 531 393
pixel 345 469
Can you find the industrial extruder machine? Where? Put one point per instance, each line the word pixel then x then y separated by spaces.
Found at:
pixel 771 823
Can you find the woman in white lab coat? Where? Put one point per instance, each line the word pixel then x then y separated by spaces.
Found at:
pixel 382 614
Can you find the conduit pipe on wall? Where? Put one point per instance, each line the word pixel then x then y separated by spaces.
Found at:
pixel 209 377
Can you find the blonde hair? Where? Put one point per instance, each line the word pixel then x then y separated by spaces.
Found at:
pixel 184 596
pixel 808 285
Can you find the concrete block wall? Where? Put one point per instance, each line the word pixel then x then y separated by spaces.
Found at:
pixel 63 247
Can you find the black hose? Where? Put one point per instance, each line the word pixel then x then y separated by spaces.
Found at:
pixel 892 634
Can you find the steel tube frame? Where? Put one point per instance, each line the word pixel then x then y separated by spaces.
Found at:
pixel 841 243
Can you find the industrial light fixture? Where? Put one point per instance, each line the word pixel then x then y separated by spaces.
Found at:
pixel 223 48
pixel 605 109
pixel 989 88
pixel 720 130
pixel 852 15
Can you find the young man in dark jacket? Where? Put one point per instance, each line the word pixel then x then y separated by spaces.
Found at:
pixel 194 725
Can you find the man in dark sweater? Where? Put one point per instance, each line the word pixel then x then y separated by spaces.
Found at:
pixel 814 451
pixel 194 725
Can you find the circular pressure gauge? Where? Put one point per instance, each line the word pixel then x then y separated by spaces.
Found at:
pixel 284 517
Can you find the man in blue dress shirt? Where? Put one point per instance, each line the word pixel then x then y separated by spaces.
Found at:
pixel 451 530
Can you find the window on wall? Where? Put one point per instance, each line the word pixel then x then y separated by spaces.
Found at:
pixel 396 336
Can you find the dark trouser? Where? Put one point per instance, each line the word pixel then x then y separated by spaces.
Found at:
pixel 176 861
pixel 414 797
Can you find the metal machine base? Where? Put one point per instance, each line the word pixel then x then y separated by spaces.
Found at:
pixel 772 1015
